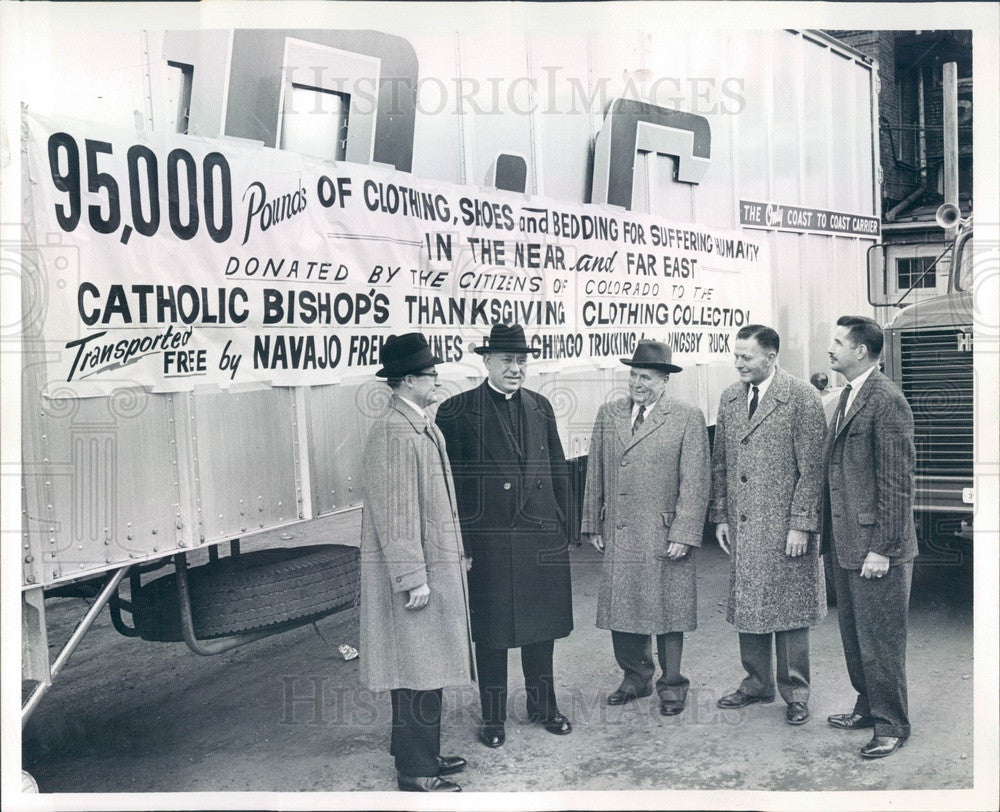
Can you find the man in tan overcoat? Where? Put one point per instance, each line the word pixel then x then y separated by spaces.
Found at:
pixel 415 634
pixel 644 507
pixel 767 477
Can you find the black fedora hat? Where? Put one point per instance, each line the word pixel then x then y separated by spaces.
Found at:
pixel 505 338
pixel 404 354
pixel 651 354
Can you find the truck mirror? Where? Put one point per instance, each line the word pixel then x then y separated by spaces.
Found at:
pixel 878 282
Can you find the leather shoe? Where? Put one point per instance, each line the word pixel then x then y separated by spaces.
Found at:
pixel 492 735
pixel 622 696
pixel 738 699
pixel 797 713
pixel 881 746
pixel 449 765
pixel 432 784
pixel 850 721
pixel 558 724
pixel 671 707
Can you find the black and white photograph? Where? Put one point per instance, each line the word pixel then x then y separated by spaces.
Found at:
pixel 585 405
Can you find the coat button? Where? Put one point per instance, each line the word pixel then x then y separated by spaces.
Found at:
pixel 506 486
pixel 745 441
pixel 624 463
pixel 743 478
pixel 539 485
pixel 743 517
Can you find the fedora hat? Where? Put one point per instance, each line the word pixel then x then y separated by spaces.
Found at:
pixel 401 355
pixel 651 354
pixel 505 338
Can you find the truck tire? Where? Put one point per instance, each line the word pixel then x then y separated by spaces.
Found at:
pixel 251 591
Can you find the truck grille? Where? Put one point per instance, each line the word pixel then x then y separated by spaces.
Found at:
pixel 936 370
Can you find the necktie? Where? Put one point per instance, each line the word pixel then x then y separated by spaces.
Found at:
pixel 838 418
pixel 639 418
pixel 753 403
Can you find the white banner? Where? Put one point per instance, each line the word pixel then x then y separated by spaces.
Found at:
pixel 186 261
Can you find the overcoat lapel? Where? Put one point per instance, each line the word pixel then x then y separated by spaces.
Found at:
pixel 776 393
pixel 486 426
pixel 652 422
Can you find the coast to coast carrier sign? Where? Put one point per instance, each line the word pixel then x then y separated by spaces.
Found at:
pixel 203 261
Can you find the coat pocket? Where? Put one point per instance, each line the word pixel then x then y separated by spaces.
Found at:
pixel 668 518
pixel 866 518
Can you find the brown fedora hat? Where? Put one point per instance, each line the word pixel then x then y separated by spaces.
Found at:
pixel 651 354
pixel 505 338
pixel 403 354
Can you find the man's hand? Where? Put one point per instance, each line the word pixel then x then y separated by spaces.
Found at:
pixel 875 566
pixel 798 542
pixel 418 597
pixel 676 551
pixel 596 540
pixel 722 536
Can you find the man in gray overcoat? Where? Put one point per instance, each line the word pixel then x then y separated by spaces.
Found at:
pixel 415 634
pixel 512 484
pixel 644 507
pixel 767 477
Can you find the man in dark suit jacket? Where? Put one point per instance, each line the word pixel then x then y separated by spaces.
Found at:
pixel 869 529
pixel 512 488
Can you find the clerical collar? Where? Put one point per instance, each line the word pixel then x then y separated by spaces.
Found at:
pixel 500 392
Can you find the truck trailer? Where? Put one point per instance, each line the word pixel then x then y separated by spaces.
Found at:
pixel 222 227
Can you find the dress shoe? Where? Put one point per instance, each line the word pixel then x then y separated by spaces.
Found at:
pixel 881 746
pixel 623 695
pixel 797 713
pixel 738 699
pixel 671 707
pixel 492 735
pixel 558 724
pixel 850 721
pixel 449 765
pixel 432 784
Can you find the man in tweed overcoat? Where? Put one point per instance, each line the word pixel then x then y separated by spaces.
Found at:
pixel 644 507
pixel 767 477
pixel 868 525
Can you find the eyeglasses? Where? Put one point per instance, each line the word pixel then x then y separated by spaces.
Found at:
pixel 433 374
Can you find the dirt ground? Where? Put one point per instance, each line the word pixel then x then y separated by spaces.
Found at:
pixel 286 713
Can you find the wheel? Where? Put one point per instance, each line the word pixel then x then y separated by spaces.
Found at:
pixel 251 591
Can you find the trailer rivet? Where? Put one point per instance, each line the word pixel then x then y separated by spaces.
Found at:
pixel 50 508
pixel 52 530
pixel 180 525
pixel 153 531
pixel 31 578
pixel 47 483
pixel 28 559
pixel 107 542
pixel 53 554
pixel 243 513
pixel 128 524
pixel 27 547
pixel 243 530
pixel 129 537
pixel 156 549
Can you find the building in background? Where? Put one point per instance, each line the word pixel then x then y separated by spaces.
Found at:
pixel 910 111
